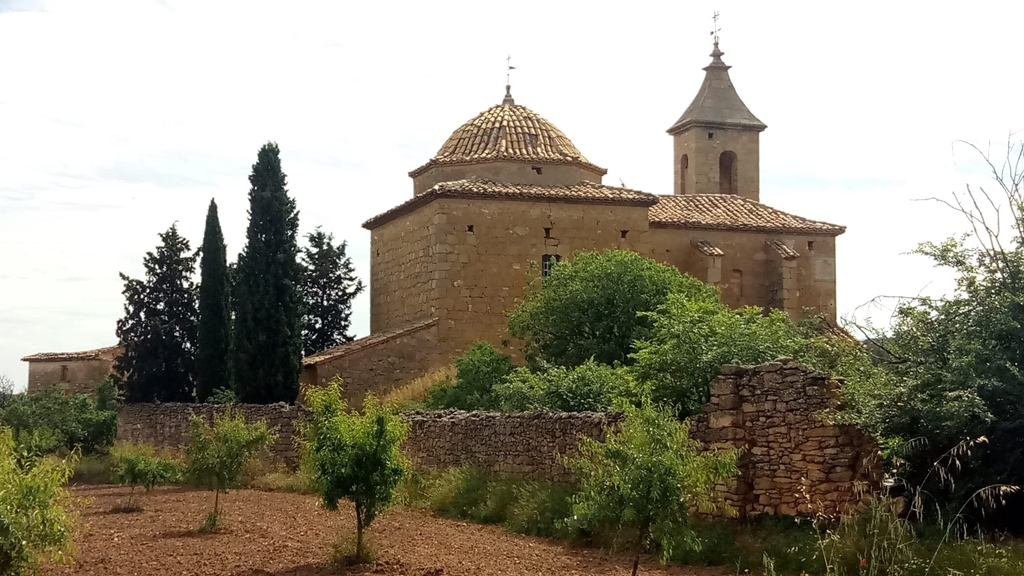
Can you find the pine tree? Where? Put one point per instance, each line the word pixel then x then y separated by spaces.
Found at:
pixel 329 285
pixel 214 311
pixel 267 335
pixel 159 328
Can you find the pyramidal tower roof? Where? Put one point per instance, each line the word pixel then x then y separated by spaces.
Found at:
pixel 717 104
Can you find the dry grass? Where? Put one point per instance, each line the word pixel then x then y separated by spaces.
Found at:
pixel 415 391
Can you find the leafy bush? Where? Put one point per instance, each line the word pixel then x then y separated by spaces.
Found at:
pixel 216 455
pixel 592 306
pixel 691 339
pixel 74 420
pixel 35 524
pixel 589 387
pixel 138 465
pixel 467 493
pixel 643 480
pixel 477 372
pixel 222 396
pixel 354 456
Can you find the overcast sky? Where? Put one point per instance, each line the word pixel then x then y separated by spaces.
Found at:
pixel 119 118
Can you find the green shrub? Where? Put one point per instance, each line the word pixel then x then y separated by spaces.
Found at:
pixel 74 420
pixel 643 479
pixel 593 306
pixel 216 455
pixel 35 524
pixel 354 456
pixel 691 339
pixel 222 396
pixel 477 372
pixel 138 465
pixel 590 387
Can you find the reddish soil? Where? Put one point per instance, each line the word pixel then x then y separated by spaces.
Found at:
pixel 277 534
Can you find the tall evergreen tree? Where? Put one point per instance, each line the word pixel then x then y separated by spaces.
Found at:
pixel 267 335
pixel 329 284
pixel 214 311
pixel 159 327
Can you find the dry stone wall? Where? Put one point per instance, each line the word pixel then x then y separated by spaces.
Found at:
pixel 514 445
pixel 166 425
pixel 793 461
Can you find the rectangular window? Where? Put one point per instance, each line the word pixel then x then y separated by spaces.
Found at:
pixel 64 373
pixel 547 262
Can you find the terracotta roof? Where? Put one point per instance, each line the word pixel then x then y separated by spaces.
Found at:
pixel 707 248
pixel 730 212
pixel 511 132
pixel 108 353
pixel 366 342
pixel 583 192
pixel 786 252
pixel 717 104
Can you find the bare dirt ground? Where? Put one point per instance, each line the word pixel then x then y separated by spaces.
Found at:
pixel 287 534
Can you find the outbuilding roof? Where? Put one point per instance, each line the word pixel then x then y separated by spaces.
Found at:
pixel 108 353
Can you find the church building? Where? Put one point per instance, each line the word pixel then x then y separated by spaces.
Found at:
pixel 508 190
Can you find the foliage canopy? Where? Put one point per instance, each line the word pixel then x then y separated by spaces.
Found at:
pixel 593 305
pixel 160 325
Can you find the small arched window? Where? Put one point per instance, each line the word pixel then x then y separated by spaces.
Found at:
pixel 727 168
pixel 684 173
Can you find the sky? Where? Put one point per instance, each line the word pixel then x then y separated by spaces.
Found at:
pixel 118 119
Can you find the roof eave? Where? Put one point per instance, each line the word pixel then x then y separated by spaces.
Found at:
pixel 837 231
pixel 428 197
pixel 682 125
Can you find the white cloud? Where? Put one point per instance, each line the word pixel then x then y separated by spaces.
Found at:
pixel 119 118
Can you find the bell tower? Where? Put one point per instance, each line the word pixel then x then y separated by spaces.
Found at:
pixel 716 140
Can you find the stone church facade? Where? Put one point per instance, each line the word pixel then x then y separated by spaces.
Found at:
pixel 509 191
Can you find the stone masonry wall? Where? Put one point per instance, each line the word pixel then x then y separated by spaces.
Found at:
pixel 793 460
pixel 514 445
pixel 166 425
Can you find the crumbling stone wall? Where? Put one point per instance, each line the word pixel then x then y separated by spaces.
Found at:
pixel 793 460
pixel 166 425
pixel 515 445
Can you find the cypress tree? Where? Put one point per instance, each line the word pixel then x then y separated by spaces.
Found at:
pixel 267 335
pixel 214 311
pixel 329 284
pixel 159 327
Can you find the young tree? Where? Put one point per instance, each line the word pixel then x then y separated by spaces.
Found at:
pixel 217 454
pixel 159 327
pixel 643 480
pixel 35 523
pixel 329 285
pixel 354 456
pixel 267 336
pixel 214 312
pixel 591 307
pixel 138 465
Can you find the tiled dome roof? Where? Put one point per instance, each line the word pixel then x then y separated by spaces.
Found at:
pixel 512 132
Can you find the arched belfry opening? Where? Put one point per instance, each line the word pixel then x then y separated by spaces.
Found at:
pixel 684 173
pixel 727 172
